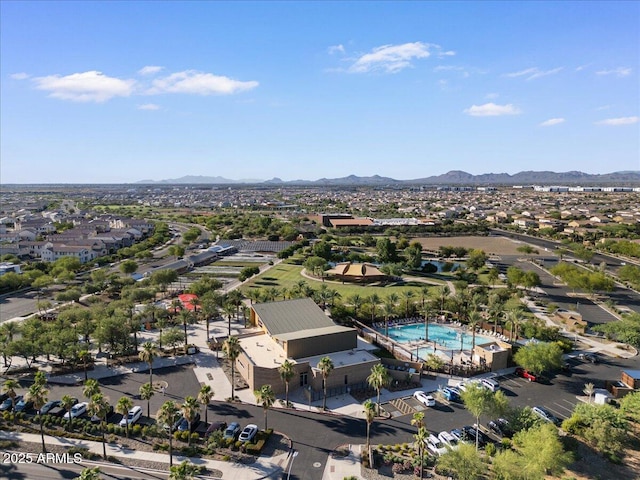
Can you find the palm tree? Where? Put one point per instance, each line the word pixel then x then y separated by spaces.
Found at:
pixel 229 310
pixel 514 318
pixel 378 378
pixel 266 398
pixel 91 387
pixel 373 300
pixel 418 419
pixel 356 301
pixel 408 295
pixel 148 354
pixel 287 372
pixel 67 402
pixel 190 409
pixel 204 397
pixel 426 312
pixel 89 474
pixel 231 348
pixel 420 442
pixel 475 319
pixel 325 365
pixel 168 415
pixel 38 395
pixel 369 415
pixel 389 312
pixel 9 387
pixel 122 407
pixel 146 392
pixel 186 317
pixel 589 389
pixel 445 291
pixel 84 356
pixel 99 406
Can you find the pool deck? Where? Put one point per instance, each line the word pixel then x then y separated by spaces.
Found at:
pixel 445 352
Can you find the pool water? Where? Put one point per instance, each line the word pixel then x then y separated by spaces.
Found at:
pixel 445 337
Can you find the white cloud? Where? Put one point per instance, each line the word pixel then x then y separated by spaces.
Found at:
pixel 148 106
pixel 552 121
pixel 150 70
pixel 579 68
pixel 391 58
pixel 20 76
pixel 491 96
pixel 618 72
pixel 448 53
pixel 492 110
pixel 199 83
pixel 534 72
pixel 336 49
pixel 89 86
pixel 614 122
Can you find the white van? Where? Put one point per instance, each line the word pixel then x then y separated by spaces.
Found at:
pixel 490 384
pixel 132 417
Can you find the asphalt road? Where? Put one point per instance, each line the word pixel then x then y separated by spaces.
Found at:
pixel 49 470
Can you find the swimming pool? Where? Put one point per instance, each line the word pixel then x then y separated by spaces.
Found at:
pixel 446 337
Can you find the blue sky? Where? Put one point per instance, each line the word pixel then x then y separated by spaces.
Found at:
pixel 123 91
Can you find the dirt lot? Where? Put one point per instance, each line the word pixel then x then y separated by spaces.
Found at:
pixel 491 245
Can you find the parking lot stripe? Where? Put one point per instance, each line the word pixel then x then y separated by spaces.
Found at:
pixel 557 414
pixel 564 407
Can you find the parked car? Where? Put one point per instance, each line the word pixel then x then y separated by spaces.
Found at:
pixel 59 411
pixel 248 433
pixel 132 417
pixel 471 433
pixel 490 384
pixel 500 427
pixel 425 399
pixel 448 439
pixel 546 415
pixel 589 357
pixel 77 410
pixel 47 407
pixel 215 426
pixel 526 374
pixel 23 405
pixel 435 445
pixel 450 394
pixel 8 404
pixel 232 431
pixel 182 425
pixel 462 436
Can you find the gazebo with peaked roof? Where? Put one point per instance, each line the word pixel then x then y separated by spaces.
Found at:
pixel 357 272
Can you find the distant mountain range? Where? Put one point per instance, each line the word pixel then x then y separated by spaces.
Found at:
pixel 454 177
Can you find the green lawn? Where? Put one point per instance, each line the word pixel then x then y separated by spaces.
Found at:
pixel 286 276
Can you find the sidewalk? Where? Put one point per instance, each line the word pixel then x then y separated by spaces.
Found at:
pixel 262 468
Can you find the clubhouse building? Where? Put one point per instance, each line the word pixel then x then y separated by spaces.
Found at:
pixel 300 331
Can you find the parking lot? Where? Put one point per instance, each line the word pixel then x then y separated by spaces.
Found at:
pixel 558 394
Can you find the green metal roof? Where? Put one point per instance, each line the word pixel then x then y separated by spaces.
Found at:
pixel 292 316
pixel 316 332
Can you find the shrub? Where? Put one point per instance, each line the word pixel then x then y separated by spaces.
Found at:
pixel 194 437
pixel 490 449
pixel 136 430
pixel 226 458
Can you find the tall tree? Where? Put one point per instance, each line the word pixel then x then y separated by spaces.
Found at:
pixel 89 474
pixel 90 388
pixel 378 378
pixel 9 387
pixel 479 400
pixel 464 461
pixel 146 392
pixel 67 402
pixel 37 394
pixel 122 407
pixel 168 415
pixel 99 406
pixel 231 348
pixel 369 415
pixel 204 397
pixel 420 441
pixel 266 398
pixel 148 354
pixel 287 372
pixel 325 365
pixel 190 409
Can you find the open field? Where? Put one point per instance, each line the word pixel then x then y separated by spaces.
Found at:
pixel 490 245
pixel 287 276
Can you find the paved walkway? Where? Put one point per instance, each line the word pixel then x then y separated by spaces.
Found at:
pixel 263 467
